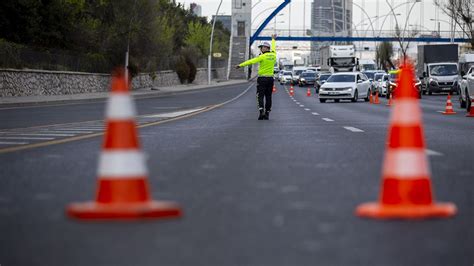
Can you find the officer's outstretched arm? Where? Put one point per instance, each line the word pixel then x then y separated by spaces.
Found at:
pixel 251 61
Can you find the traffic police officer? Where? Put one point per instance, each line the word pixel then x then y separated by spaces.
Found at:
pixel 267 60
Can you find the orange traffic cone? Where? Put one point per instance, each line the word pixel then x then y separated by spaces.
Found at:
pixel 274 88
pixel 390 100
pixel 406 189
pixel 449 106
pixel 308 92
pixel 371 98
pixel 377 101
pixel 123 191
pixel 471 111
pixel 292 90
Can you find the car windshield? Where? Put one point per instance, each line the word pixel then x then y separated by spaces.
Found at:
pixel 324 77
pixel 368 67
pixel 378 76
pixel 370 75
pixel 307 74
pixel 341 78
pixel 385 77
pixel 287 73
pixel 443 70
pixel 297 72
pixel 342 61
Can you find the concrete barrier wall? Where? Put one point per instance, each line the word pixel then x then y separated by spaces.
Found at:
pixel 15 82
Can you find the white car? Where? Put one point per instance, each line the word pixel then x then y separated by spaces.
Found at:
pixel 466 89
pixel 286 77
pixel 280 74
pixel 382 86
pixel 378 80
pixel 345 86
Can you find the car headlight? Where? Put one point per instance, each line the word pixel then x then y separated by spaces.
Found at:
pixel 302 79
pixel 433 80
pixel 348 89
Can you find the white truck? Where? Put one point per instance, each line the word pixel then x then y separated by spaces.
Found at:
pixel 437 67
pixel 338 58
pixel 366 64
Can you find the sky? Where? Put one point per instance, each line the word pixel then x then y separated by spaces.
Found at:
pixel 209 8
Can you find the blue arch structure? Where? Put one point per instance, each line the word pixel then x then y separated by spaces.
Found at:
pixel 256 36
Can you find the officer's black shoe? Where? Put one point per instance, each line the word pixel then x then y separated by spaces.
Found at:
pixel 261 115
pixel 266 116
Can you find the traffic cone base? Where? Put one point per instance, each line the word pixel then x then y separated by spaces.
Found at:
pixel 381 211
pixel 449 113
pixel 376 101
pixel 126 211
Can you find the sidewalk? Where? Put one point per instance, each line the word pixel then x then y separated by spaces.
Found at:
pixel 84 97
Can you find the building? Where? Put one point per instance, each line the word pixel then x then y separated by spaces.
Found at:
pixel 240 36
pixel 226 21
pixel 329 18
pixel 196 9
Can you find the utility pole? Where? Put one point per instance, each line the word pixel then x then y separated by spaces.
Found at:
pixel 209 59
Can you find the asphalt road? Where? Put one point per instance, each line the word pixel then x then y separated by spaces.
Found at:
pixel 257 193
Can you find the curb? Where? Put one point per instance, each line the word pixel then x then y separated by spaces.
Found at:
pixel 150 93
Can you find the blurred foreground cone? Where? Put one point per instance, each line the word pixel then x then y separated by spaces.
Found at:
pixel 406 189
pixel 123 191
pixel 274 88
pixel 376 101
pixel 471 111
pixel 449 106
pixel 371 98
pixel 308 92
pixel 292 90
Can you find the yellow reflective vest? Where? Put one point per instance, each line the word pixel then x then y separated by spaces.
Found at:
pixel 267 62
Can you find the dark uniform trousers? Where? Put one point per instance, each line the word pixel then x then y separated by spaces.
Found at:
pixel 265 90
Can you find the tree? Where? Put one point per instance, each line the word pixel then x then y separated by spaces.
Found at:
pixel 402 41
pixel 198 36
pixel 384 55
pixel 462 13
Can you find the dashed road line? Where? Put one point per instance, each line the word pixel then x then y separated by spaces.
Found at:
pixel 301 105
pixel 307 109
pixel 314 113
pixel 354 129
pixel 433 153
pixel 328 119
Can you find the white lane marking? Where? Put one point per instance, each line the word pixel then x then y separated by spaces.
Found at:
pixel 174 114
pixel 39 134
pixel 433 153
pixel 26 138
pixel 307 109
pixel 314 113
pixel 328 119
pixel 297 102
pixel 354 129
pixel 65 132
pixel 83 129
pixel 301 105
pixel 12 143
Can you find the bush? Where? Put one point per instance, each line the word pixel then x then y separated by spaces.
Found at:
pixel 182 69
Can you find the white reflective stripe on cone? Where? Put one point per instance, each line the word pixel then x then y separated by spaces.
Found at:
pixel 122 164
pixel 406 112
pixel 120 106
pixel 406 164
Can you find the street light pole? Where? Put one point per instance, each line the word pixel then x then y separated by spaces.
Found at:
pixel 209 59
